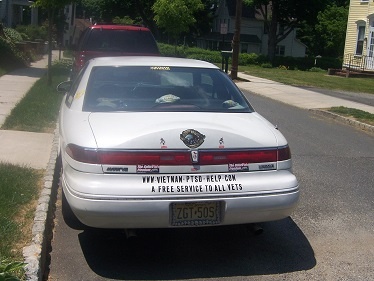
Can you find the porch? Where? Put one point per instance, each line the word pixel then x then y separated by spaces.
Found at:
pixel 355 66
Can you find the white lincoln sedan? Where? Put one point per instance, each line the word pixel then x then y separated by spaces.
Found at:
pixel 157 142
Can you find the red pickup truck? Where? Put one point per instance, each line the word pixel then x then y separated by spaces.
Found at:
pixel 113 40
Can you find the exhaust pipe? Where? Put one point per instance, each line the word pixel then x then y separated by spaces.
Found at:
pixel 130 233
pixel 255 229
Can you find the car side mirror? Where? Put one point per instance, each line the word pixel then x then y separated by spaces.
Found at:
pixel 64 87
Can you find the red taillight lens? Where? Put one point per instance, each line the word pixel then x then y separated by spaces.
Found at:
pixel 236 157
pixel 174 158
pixel 144 158
pixel 82 154
pixel 284 153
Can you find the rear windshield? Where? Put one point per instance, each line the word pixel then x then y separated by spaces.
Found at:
pixel 129 41
pixel 148 88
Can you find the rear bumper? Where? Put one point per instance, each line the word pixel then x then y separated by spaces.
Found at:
pixel 150 212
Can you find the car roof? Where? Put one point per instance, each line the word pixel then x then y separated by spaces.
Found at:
pixel 150 61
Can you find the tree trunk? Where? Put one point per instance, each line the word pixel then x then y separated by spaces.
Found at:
pixel 2 34
pixel 272 41
pixel 50 25
pixel 236 40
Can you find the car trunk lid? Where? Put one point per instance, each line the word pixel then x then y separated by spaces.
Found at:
pixel 175 130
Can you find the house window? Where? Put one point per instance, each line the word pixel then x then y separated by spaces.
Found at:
pixel 360 39
pixel 244 48
pixel 280 50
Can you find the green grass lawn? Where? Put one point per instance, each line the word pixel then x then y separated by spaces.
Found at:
pixel 38 110
pixel 312 79
pixel 20 186
pixel 357 114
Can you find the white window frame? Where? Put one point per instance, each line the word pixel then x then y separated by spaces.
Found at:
pixel 360 38
pixel 280 50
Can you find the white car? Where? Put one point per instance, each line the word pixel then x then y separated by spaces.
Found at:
pixel 157 142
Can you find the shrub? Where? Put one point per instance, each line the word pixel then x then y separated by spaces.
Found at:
pixel 302 63
pixel 267 65
pixel 10 57
pixel 212 58
pixel 12 271
pixel 68 53
pixel 189 52
pixel 328 62
pixel 33 32
pixel 291 63
pixel 306 63
pixel 63 64
pixel 171 51
pixel 316 69
pixel 247 59
pixel 13 35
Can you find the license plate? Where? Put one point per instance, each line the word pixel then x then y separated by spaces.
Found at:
pixel 195 214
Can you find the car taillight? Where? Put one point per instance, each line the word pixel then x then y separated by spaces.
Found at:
pixel 82 154
pixel 284 153
pixel 236 157
pixel 175 157
pixel 144 158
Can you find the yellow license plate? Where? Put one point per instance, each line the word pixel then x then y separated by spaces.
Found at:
pixel 195 214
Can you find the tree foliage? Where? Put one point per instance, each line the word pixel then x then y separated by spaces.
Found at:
pixel 118 11
pixel 105 10
pixel 331 28
pixel 327 36
pixel 314 20
pixel 287 14
pixel 51 6
pixel 176 16
pixel 141 12
pixel 46 4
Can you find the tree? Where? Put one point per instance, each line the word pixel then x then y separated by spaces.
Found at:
pixel 105 10
pixel 236 40
pixel 204 18
pixel 144 10
pixel 326 36
pixel 176 16
pixel 51 6
pixel 281 17
pixel 141 12
pixel 119 11
pixel 331 28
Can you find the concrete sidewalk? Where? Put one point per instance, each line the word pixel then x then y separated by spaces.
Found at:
pixel 295 96
pixel 23 148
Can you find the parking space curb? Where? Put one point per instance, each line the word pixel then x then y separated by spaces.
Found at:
pixel 346 120
pixel 36 254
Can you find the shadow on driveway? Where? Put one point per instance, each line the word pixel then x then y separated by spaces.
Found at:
pixel 167 254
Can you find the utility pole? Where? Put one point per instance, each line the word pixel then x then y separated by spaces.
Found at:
pixel 236 40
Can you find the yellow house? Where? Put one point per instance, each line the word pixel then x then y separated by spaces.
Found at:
pixel 359 42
